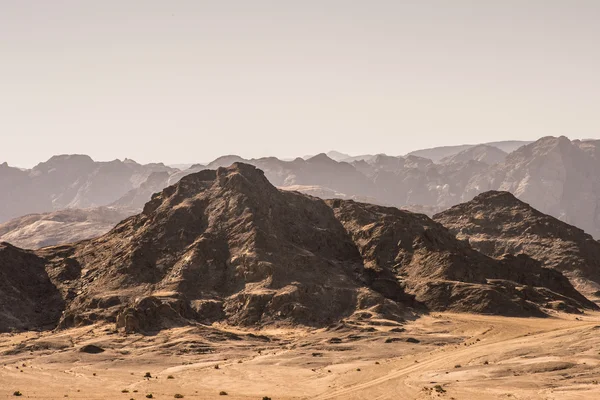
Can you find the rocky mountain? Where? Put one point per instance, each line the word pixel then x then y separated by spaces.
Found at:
pixel 69 181
pixel 226 245
pixel 34 231
pixel 497 223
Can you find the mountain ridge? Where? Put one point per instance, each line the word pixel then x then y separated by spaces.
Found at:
pixel 226 245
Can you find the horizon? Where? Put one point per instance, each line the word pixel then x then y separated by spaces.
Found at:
pixel 306 156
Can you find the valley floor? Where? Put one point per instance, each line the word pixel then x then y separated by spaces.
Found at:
pixel 447 356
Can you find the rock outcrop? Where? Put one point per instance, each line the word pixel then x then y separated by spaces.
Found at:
pixel 497 223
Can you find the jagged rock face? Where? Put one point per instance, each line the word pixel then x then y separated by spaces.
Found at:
pixel 496 223
pixel 445 273
pixel 226 245
pixel 28 299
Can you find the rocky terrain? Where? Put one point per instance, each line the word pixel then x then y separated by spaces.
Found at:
pixel 227 246
pixel 497 223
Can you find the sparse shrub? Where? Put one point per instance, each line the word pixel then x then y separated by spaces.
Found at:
pixel 124 391
pixel 358 369
pixel 439 389
pixel 178 396
pixel 217 366
pixel 149 396
pixel 458 366
pixel 170 377
pixel 148 375
pixel 266 398
pixel 222 393
pixel 17 393
pixel 486 363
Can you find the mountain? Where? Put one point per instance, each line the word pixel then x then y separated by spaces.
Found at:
pixel 226 245
pixel 436 154
pixel 65 226
pixel 497 223
pixel 483 153
pixel 343 157
pixel 555 175
pixel 69 181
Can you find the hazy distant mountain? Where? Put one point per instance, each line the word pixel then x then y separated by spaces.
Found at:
pixel 436 154
pixel 337 156
pixel 483 153
pixel 555 175
pixel 69 181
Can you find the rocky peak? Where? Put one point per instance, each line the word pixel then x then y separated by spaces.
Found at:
pixel 496 223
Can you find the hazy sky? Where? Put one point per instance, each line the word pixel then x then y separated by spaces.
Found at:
pixel 187 81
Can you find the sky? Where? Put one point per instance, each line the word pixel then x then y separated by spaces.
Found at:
pixel 188 81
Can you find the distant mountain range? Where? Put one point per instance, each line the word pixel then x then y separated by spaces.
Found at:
pixel 69 181
pixel 557 176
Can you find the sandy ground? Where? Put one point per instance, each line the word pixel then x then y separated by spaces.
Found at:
pixel 452 356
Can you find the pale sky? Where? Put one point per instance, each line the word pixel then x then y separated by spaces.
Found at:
pixel 188 81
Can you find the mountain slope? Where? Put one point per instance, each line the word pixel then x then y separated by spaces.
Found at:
pixel 496 223
pixel 65 226
pixel 28 299
pixel 445 273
